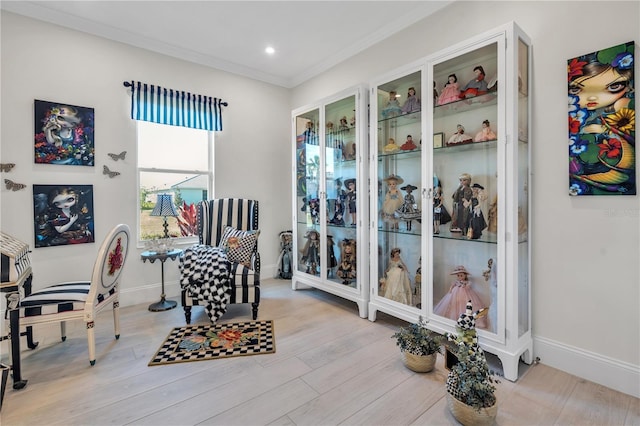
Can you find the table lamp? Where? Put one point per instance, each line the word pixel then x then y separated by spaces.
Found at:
pixel 164 207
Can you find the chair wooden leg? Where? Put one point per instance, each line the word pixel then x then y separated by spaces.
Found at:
pixel 116 318
pixel 14 330
pixel 255 310
pixel 187 314
pixel 63 330
pixel 91 340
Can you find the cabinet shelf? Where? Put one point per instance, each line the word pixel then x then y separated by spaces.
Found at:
pixel 415 153
pixel 465 105
pixel 469 146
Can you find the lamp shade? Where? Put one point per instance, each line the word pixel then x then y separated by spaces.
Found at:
pixel 164 206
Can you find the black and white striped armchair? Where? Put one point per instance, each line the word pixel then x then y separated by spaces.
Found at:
pixel 244 280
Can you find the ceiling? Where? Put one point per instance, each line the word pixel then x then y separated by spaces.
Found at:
pixel 309 36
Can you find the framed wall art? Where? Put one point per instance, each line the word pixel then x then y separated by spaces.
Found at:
pixel 63 134
pixel 438 140
pixel 63 214
pixel 602 122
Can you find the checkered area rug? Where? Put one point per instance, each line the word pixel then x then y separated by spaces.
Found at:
pixel 199 342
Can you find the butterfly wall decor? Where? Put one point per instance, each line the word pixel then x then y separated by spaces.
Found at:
pixel 6 167
pixel 116 157
pixel 14 186
pixel 106 171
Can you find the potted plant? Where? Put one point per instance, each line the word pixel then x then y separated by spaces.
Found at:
pixel 471 384
pixel 419 346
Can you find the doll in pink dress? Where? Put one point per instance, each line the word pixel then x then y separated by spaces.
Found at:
pixel 486 134
pixel 455 301
pixel 451 91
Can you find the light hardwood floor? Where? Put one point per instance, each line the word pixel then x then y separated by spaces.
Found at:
pixel 330 367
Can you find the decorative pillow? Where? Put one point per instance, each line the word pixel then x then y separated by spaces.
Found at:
pixel 239 245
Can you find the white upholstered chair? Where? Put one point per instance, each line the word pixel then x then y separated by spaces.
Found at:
pixel 78 300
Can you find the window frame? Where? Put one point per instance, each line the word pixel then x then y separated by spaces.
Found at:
pixel 210 175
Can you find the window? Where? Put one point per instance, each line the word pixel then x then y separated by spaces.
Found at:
pixel 177 161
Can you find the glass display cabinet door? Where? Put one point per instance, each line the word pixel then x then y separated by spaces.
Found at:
pixel 396 208
pixel 341 183
pixel 308 179
pixel 467 211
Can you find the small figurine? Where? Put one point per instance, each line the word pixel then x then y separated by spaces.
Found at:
pixel 391 147
pixel 284 258
pixel 459 137
pixel 412 104
pixel 486 134
pixel 409 209
pixel 461 195
pixel 350 200
pixel 352 122
pixel 338 209
pixel 435 94
pixel 392 109
pixel 409 145
pixel 331 256
pixel 451 91
pixel 395 283
pixel 440 214
pixel 475 87
pixel 314 210
pixel 455 301
pixel 347 268
pixel 311 252
pixel 392 201
pixel 417 290
pixel 476 223
pixel 309 136
pixel 343 124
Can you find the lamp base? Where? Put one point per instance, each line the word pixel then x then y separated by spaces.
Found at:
pixel 163 305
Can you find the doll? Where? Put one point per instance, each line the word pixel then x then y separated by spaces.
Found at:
pixel 409 145
pixel 492 225
pixel 486 134
pixel 395 282
pixel 476 86
pixel 392 201
pixel 461 195
pixel 454 302
pixel 313 204
pixel 309 136
pixel 451 91
pixel 412 104
pixel 392 109
pixel 391 147
pixel 343 124
pixel 350 200
pixel 311 252
pixel 459 137
pixel 284 259
pixel 440 214
pixel 409 209
pixel 417 290
pixel 338 210
pixel 331 256
pixel 435 94
pixel 347 268
pixel 476 223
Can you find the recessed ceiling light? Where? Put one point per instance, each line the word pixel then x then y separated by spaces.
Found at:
pixel 270 50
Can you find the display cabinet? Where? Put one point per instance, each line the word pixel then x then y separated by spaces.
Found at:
pixel 397 157
pixel 474 199
pixel 330 202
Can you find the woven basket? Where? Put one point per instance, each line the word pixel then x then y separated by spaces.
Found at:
pixel 469 416
pixel 419 363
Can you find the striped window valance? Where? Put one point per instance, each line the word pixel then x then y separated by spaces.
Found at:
pixel 174 107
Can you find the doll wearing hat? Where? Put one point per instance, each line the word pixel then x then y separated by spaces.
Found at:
pixel 350 197
pixel 409 209
pixel 461 196
pixel 455 301
pixel 392 201
pixel 476 222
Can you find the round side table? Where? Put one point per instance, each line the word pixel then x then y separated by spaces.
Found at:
pixel 152 256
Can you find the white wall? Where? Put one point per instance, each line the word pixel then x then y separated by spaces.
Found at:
pixel 585 250
pixel 47 62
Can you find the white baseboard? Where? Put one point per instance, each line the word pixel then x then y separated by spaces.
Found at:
pixel 612 373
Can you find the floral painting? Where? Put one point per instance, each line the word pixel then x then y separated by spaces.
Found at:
pixel 63 134
pixel 63 214
pixel 602 122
